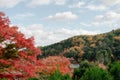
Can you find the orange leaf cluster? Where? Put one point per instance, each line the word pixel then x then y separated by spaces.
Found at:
pixel 56 62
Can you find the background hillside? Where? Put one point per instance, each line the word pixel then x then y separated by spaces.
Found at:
pixel 101 48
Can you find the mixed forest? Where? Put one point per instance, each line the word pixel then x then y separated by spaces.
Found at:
pixel 98 56
pixel 101 51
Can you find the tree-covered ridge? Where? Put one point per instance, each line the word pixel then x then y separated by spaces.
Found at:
pixel 101 48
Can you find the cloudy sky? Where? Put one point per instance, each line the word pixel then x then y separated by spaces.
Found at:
pixel 51 21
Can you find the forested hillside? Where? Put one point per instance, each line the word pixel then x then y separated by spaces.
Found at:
pixel 98 55
pixel 101 48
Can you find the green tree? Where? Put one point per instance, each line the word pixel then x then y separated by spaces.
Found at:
pixel 84 66
pixel 96 73
pixel 114 69
pixel 58 76
pixel 33 79
pixel 103 56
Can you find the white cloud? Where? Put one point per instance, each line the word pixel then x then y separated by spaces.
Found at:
pixel 62 16
pixel 22 16
pixel 74 32
pixel 78 5
pixel 34 3
pixel 85 24
pixel 108 18
pixel 60 2
pixel 9 3
pixel 111 2
pixel 35 30
pixel 97 7
pixel 43 37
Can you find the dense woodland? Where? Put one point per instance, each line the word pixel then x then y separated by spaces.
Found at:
pixel 97 55
pixel 100 50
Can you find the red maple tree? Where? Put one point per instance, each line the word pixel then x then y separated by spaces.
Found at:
pixel 52 63
pixel 17 53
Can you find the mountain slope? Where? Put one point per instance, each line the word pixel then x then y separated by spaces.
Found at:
pixel 101 48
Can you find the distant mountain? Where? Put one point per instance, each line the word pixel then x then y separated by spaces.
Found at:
pixel 101 48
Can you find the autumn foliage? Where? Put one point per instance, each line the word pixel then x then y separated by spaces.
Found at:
pixel 52 63
pixel 17 53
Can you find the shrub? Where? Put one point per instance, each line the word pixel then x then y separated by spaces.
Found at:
pixel 114 69
pixel 58 76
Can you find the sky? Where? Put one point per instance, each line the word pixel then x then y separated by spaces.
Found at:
pixel 51 21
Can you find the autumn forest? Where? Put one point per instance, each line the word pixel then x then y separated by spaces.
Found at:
pixel 83 57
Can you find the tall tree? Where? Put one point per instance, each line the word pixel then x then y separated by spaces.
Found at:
pixel 17 53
